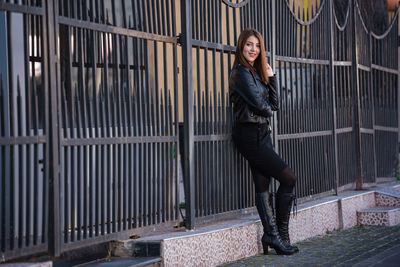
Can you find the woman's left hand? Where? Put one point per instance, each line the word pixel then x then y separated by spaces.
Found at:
pixel 270 72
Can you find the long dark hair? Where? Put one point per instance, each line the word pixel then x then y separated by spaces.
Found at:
pixel 260 64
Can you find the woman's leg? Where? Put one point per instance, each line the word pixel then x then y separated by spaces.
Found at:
pixel 261 182
pixel 271 236
pixel 284 200
pixel 287 181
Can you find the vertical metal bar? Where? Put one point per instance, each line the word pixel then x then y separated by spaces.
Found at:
pixel 106 188
pixel 356 101
pixel 155 126
pixel 78 177
pixel 166 182
pixel 28 95
pixel 108 126
pixel 125 98
pixel 10 225
pixel 169 161
pixel 146 120
pixel 176 115
pixel 52 130
pixel 119 127
pixel 169 131
pixel 126 87
pixel 117 124
pixel 84 163
pixel 65 162
pixel 137 46
pixel 272 44
pixel 5 131
pixel 199 130
pixel 331 84
pixel 372 104
pixel 398 89
pixel 214 119
pixel 104 222
pixel 21 121
pixel 95 218
pixel 74 126
pixel 188 112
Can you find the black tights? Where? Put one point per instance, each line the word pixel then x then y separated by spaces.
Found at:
pixel 286 178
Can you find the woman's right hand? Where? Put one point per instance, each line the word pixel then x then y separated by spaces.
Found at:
pixel 270 72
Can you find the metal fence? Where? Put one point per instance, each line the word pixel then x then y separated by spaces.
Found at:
pixel 93 94
pixel 326 127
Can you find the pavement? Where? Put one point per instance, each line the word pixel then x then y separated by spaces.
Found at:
pixel 357 246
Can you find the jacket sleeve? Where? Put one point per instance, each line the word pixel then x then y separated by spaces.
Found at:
pixel 244 84
pixel 273 97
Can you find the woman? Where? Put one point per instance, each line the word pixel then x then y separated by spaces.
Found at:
pixel 253 91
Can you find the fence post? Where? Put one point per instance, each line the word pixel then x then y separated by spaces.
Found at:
pixel 5 185
pixel 332 86
pixel 356 99
pixel 398 92
pixel 273 66
pixel 371 89
pixel 53 161
pixel 186 40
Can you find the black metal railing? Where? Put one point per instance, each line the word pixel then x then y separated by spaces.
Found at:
pixel 24 130
pixel 93 94
pixel 118 110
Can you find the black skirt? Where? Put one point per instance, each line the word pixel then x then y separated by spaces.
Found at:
pixel 255 144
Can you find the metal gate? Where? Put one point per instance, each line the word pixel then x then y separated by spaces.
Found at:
pixel 89 122
pixel 25 128
pixel 118 118
pixel 338 116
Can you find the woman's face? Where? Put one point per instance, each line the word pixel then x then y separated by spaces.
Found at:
pixel 251 49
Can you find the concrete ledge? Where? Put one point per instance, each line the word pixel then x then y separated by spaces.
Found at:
pixel 387 199
pixel 28 264
pixel 338 213
pixel 229 241
pixel 127 261
pixel 381 216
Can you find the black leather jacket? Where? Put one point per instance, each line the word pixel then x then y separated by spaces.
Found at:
pixel 253 100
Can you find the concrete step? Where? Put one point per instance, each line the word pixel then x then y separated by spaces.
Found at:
pixel 383 216
pixel 134 248
pixel 127 262
pixel 387 199
pixel 29 264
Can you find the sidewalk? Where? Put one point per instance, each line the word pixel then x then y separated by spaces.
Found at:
pixel 357 246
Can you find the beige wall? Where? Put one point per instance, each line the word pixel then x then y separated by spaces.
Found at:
pixel 306 4
pixel 392 5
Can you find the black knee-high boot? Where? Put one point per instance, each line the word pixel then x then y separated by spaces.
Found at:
pixel 271 236
pixel 283 205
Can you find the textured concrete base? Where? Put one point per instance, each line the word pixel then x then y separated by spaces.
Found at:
pixel 381 216
pixel 230 241
pixel 386 212
pixel 387 199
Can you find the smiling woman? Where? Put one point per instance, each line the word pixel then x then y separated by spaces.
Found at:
pixel 253 91
pixel 251 49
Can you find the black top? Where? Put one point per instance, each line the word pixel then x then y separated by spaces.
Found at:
pixel 253 100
